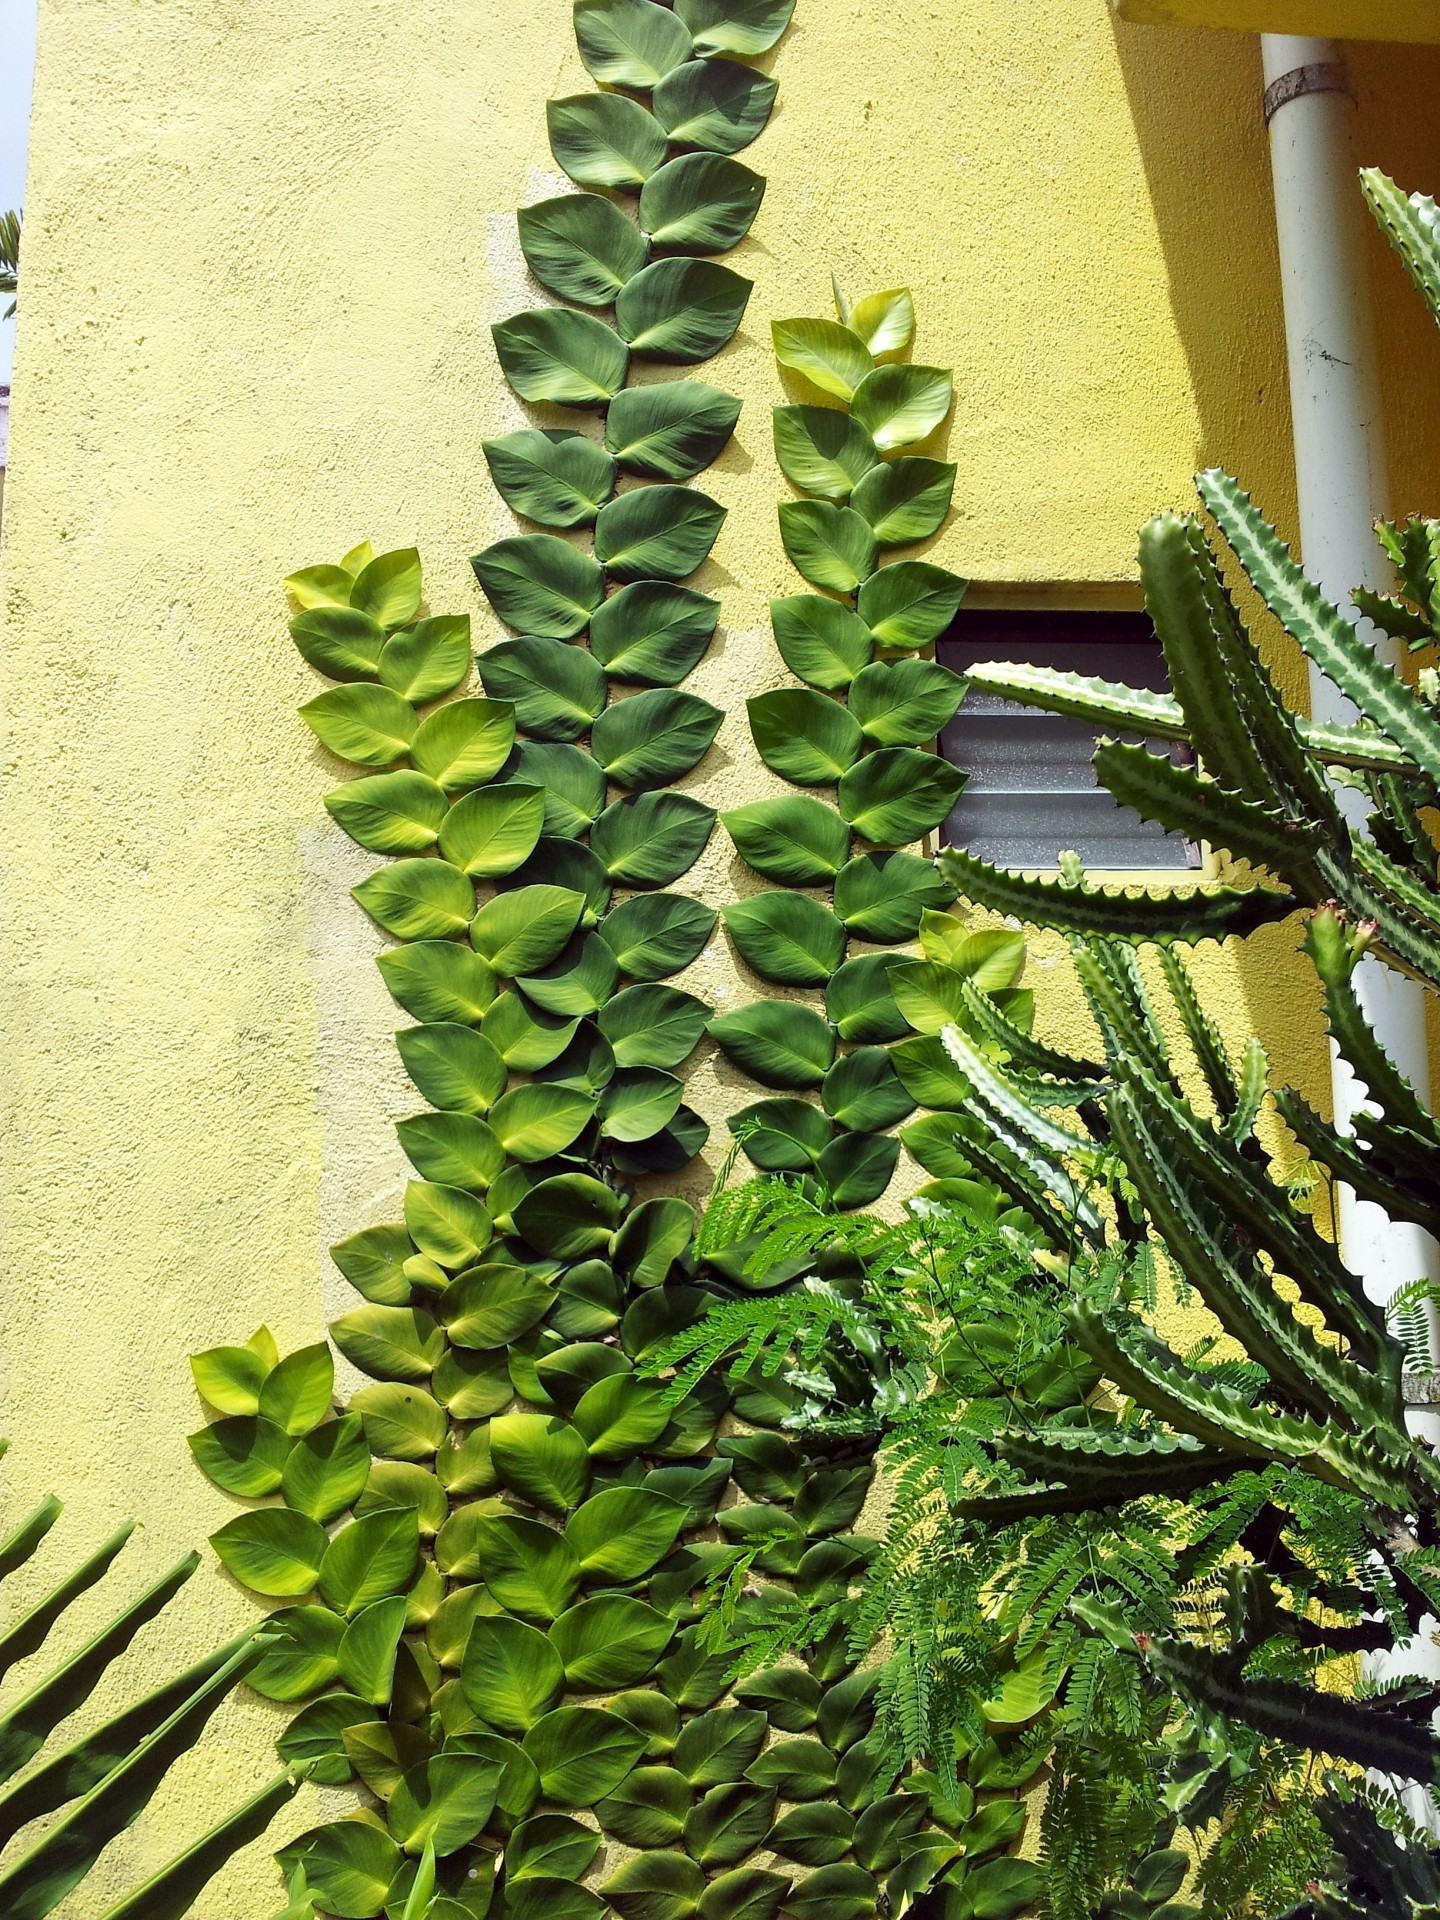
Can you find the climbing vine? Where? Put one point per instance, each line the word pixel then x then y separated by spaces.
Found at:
pixel 504 1644
pixel 858 725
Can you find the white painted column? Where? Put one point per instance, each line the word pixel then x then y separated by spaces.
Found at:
pixel 1341 481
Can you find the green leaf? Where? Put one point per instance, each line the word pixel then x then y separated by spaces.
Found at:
pixel 429 659
pixel 574 785
pixel 620 1534
pixel 822 451
pixel 388 588
pixel 821 641
pixel 510 1673
pixel 610 1641
pixel 884 896
pixel 530 1569
pixel 669 431
pixel 638 1103
pixel 242 1455
pixel 795 1769
pixel 272 1550
pixel 452 1149
pixel 536 1122
pixel 543 1897
pixel 648 1808
pixel 549 1845
pixel 568 1217
pixel 521 931
pixel 777 1042
pixel 786 937
pixel 681 311
pixel 438 981
pixel 700 203
pixel 717 105
pixel 829 356
pixel 370 725
pixel 540 584
pixel 348 1866
pixel 370 1559
pixel 735 26
pixel 369 1648
pixel 651 839
pixel 653 1026
pixel 492 832
pixel 717 1747
pixel 909 604
pixel 900 405
pixel 746 1893
pixel 656 1886
pixel 1001 1889
pixel 652 632
pixel 230 1378
pixel 542 1460
pixel 620 1416
pixel 906 500
pixel 654 737
pixel 401 1423
pixel 555 354
pixel 859 1002
pixel 832 546
pixel 492 1305
pixel 884 321
pixel 448 1224
pixel 471 1386
pixel 313 1736
pixel 443 1804
pixel 885 1826
pixel 581 247
pixel 816 1835
pixel 1409 224
pixel 605 140
pixel 802 736
pixel 389 1343
pixel 657 533
pixel 864 1093
pixel 657 934
pixel 906 702
pixel 782 1136
pixel 857 1167
pixel 729 1824
pixel 582 1753
pixel 897 794
pixel 554 476
pixel 326 1470
pixel 629 43
pixel 303 1654
pixel 389 812
pixel 340 641
pixel 418 899
pixel 556 689
pixel 566 863
pixel 466 742
pixel 297 1393
pixel 578 981
pixel 796 841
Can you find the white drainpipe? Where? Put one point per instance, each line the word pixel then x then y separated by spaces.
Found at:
pixel 1341 481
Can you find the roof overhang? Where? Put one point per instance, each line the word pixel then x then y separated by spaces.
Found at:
pixel 1414 21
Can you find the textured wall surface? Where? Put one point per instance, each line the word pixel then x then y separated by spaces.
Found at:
pixel 263 249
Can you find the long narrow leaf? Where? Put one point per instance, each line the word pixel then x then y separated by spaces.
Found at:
pixel 170 1893
pixel 51 1869
pixel 1411 223
pixel 1181 802
pixel 15 1551
pixel 30 1722
pixel 30 1631
pixel 1201 1031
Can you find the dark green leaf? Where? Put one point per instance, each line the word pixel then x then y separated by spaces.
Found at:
pixel 582 1753
pixel 905 702
pixel 439 981
pixel 540 584
pixel 621 1533
pixel 782 1136
pixel 657 533
pixel 656 1886
pixel 909 604
pixel 648 1809
pixel 638 1103
pixel 728 1825
pixel 557 689
pixel 897 794
pixel 860 1003
pixel 777 1042
pixel 653 1026
pixel 735 26
pixel 574 786
pixel 657 934
pixel 582 247
pixel 681 311
pixel 610 1641
pixel 716 1748
pixel 816 1835
pixel 905 500
pixel 605 140
pixel 555 354
pixel 795 1769
pixel 530 1569
pixel 717 105
pixel 651 839
pixel 881 896
pixel 820 641
pixel 802 736
pixel 671 430
pixel 786 937
pixel 864 1094
pixel 832 546
pixel 857 1167
pixel 796 841
pixel 822 451
pixel 566 863
pixel 653 633
pixel 700 203
pixel 510 1673
pixel 568 1217
pixel 629 43
pixel 554 476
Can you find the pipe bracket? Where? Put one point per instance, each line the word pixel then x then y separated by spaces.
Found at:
pixel 1324 77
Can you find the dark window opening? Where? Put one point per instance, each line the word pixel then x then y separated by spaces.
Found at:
pixel 1032 792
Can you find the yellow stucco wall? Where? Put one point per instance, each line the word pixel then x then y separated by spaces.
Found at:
pixel 263 248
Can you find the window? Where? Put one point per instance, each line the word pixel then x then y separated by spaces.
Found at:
pixel 1032 791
